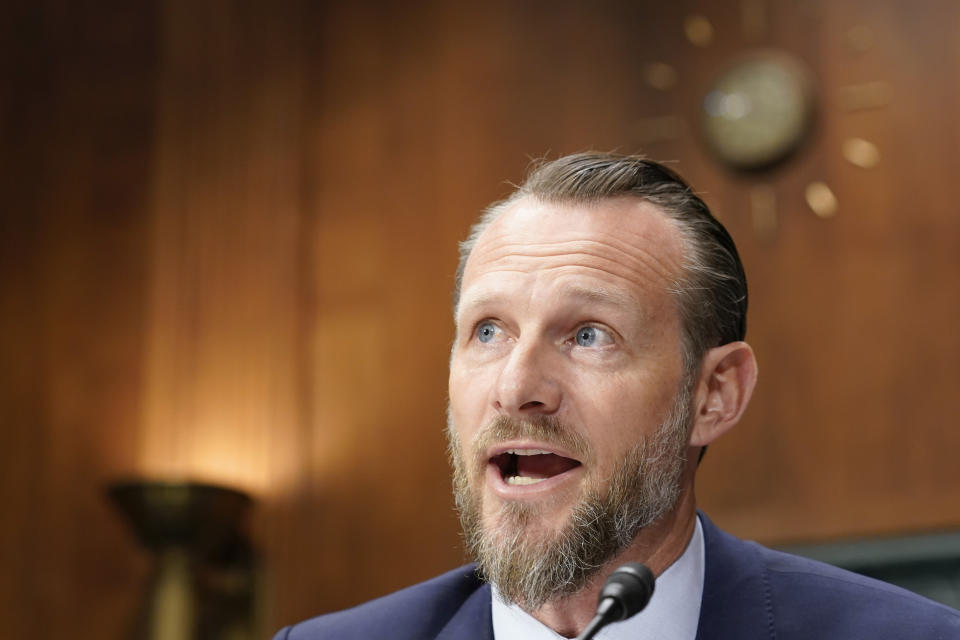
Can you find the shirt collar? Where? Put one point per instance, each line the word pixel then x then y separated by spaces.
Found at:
pixel 672 614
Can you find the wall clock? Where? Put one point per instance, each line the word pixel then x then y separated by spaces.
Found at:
pixel 759 108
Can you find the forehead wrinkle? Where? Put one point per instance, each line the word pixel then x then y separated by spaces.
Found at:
pixel 486 295
pixel 638 224
pixel 626 258
pixel 646 251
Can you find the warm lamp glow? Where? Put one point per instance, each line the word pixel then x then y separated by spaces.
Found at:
pixel 222 357
pixel 220 411
pixel 214 455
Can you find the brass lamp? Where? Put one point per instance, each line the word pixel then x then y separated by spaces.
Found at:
pixel 203 576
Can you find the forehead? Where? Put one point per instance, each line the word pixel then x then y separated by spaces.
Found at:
pixel 621 245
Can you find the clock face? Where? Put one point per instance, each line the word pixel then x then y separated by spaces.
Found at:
pixel 759 110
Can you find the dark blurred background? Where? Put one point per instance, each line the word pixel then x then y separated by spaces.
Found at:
pixel 228 236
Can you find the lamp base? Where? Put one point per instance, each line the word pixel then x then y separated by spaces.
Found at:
pixel 204 576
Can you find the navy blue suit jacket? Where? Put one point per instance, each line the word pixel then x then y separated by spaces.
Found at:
pixel 750 592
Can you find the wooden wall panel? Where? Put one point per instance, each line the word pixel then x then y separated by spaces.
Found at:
pixel 229 235
pixel 221 373
pixel 224 395
pixel 78 108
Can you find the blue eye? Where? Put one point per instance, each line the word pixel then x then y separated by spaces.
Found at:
pixel 586 336
pixel 590 336
pixel 486 332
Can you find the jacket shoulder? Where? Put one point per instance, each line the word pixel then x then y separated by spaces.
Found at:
pixel 821 600
pixel 754 592
pixel 419 611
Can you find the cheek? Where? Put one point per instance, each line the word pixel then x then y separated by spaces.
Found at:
pixel 467 401
pixel 626 409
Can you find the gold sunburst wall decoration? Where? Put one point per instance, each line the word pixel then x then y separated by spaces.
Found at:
pixel 761 108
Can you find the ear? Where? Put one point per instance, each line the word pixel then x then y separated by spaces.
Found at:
pixel 727 377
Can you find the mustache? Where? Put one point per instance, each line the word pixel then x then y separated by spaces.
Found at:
pixel 546 429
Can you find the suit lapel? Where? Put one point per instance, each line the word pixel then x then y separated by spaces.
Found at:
pixel 736 601
pixel 472 621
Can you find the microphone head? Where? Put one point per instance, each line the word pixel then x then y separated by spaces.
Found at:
pixel 631 586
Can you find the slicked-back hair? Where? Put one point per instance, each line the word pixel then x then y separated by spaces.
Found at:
pixel 711 290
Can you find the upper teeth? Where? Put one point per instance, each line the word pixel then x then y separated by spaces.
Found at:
pixel 527 452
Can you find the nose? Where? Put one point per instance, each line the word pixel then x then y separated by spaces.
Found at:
pixel 526 386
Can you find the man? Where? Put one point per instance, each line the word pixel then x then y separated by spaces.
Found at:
pixel 600 315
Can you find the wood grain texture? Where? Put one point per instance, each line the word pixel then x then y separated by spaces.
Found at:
pixel 228 243
pixel 76 127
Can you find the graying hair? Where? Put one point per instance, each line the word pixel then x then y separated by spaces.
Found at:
pixel 712 289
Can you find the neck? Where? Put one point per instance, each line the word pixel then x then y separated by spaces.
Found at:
pixel 658 546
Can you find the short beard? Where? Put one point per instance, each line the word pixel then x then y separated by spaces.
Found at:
pixel 531 570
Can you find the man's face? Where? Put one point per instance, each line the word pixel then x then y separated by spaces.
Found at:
pixel 567 363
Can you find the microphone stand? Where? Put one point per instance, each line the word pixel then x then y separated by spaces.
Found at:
pixel 625 594
pixel 607 612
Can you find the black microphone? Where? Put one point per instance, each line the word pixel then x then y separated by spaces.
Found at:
pixel 625 593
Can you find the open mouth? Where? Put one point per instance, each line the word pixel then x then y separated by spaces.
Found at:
pixel 530 466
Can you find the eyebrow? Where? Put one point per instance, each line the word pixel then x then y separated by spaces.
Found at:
pixel 601 296
pixel 588 295
pixel 487 299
